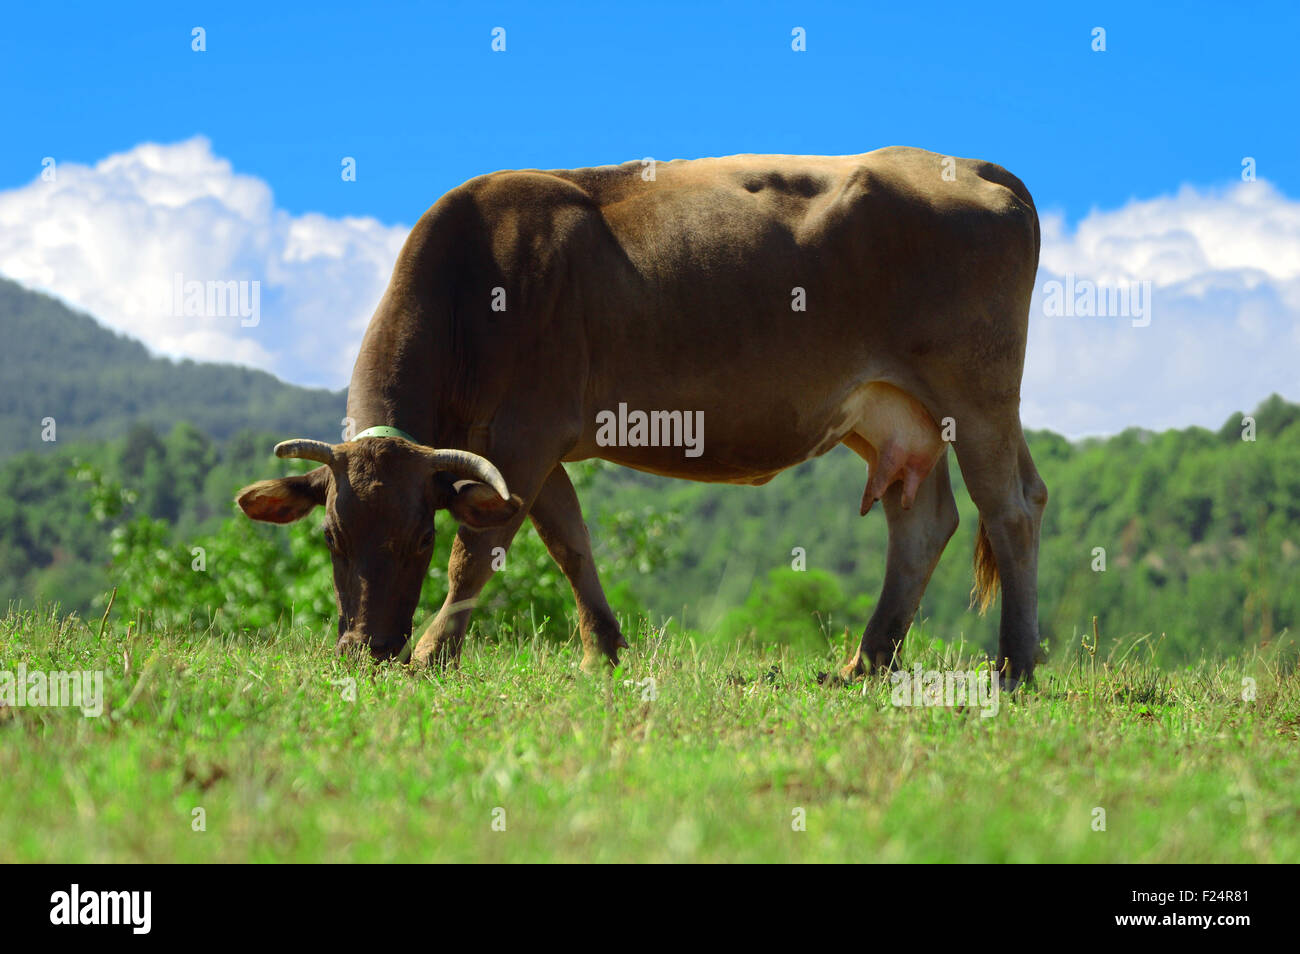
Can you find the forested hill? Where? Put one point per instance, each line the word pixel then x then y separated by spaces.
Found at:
pixel 55 362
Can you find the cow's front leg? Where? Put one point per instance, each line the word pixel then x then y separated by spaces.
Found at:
pixel 468 570
pixel 557 515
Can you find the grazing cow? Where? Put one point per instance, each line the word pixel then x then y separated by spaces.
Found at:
pixel 786 303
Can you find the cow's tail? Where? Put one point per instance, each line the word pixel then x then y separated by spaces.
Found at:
pixel 985 587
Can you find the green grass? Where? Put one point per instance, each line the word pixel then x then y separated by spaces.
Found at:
pixel 256 733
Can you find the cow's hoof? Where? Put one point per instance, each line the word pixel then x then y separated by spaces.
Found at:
pixel 597 662
pixel 431 656
pixel 421 656
pixel 841 678
pixel 1011 683
pixel 1011 678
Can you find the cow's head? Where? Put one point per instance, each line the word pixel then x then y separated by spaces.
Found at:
pixel 380 495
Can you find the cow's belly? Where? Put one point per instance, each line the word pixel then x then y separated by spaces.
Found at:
pixel 889 428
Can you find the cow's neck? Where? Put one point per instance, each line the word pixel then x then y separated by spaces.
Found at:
pixel 418 368
pixel 394 383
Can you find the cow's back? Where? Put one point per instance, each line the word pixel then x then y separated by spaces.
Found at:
pixel 716 247
pixel 805 268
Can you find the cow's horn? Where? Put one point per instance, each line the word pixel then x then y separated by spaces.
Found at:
pixel 464 464
pixel 303 449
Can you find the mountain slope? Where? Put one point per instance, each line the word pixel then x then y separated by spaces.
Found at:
pixel 95 383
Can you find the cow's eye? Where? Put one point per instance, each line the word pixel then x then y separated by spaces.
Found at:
pixel 330 540
pixel 426 540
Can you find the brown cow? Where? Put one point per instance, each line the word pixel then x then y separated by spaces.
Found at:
pixel 786 303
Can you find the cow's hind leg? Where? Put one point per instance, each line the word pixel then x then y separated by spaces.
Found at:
pixel 1011 496
pixel 557 515
pixel 917 536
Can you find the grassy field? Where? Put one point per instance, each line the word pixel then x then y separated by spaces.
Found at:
pixel 717 760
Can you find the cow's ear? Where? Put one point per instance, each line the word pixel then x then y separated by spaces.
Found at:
pixel 479 507
pixel 285 499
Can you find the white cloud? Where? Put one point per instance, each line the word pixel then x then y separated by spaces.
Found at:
pixel 1224 267
pixel 109 239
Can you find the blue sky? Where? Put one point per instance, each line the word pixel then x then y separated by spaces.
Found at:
pixel 225 165
pixel 414 92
